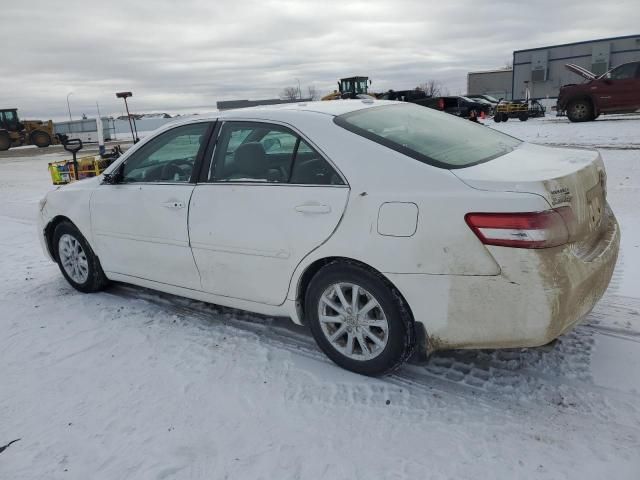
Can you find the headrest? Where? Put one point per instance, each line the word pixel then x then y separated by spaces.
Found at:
pixel 249 159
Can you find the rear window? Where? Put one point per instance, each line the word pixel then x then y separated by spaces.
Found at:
pixel 436 138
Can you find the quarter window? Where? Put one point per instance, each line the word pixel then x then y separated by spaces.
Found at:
pixel 311 169
pixel 170 157
pixel 267 153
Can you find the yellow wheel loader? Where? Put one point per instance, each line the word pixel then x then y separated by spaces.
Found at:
pixel 351 87
pixel 14 133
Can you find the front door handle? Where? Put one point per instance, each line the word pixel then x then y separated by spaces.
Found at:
pixel 313 208
pixel 173 204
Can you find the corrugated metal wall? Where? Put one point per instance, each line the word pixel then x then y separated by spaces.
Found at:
pixel 544 67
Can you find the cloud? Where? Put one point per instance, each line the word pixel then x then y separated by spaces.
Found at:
pixel 184 56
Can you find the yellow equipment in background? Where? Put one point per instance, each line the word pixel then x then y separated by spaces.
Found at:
pixel 63 171
pixel 15 133
pixel 350 87
pixel 506 110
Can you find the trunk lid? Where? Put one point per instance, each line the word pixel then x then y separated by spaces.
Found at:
pixel 583 72
pixel 565 177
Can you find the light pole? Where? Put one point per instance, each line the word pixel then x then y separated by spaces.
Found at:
pixel 124 96
pixel 299 91
pixel 69 110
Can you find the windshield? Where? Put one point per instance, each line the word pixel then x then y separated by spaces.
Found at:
pixel 433 137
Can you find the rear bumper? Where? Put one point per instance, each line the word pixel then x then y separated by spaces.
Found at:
pixel 539 295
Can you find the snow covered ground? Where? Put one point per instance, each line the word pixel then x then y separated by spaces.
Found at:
pixel 130 383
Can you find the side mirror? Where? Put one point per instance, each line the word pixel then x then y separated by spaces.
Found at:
pixel 114 177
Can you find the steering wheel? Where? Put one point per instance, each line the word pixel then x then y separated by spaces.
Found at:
pixel 172 168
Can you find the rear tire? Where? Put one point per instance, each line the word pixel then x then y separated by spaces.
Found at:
pixel 77 262
pixel 5 141
pixel 40 138
pixel 580 111
pixel 375 331
pixel 523 117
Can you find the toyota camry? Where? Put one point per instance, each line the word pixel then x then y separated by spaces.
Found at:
pixel 384 227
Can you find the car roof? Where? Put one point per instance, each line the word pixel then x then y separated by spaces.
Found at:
pixel 331 108
pixel 284 112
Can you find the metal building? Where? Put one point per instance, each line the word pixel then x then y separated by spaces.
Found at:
pixel 496 83
pixel 543 70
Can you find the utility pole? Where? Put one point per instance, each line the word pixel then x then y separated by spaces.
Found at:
pixel 69 109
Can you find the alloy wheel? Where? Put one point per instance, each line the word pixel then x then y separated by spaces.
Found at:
pixel 579 111
pixel 73 258
pixel 353 321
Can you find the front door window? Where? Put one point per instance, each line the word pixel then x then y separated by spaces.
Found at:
pixel 170 157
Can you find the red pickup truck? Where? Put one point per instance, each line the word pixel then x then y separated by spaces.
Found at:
pixel 617 91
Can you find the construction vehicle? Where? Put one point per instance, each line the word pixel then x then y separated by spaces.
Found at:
pixel 350 88
pixel 506 110
pixel 14 133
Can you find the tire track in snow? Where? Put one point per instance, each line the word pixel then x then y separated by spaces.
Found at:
pixel 559 376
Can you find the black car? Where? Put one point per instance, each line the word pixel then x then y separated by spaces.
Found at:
pixel 459 106
pixel 418 97
pixel 488 98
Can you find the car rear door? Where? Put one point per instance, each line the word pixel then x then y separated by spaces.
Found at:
pixel 140 223
pixel 267 200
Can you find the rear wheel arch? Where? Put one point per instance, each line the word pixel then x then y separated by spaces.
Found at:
pixel 420 333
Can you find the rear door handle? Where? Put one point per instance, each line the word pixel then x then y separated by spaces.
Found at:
pixel 313 208
pixel 173 204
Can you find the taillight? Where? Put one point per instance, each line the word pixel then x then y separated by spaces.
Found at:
pixel 521 230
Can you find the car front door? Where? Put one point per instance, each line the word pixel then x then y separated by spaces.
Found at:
pixel 268 199
pixel 140 223
pixel 619 89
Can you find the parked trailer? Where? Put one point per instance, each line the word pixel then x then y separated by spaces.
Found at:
pixel 85 130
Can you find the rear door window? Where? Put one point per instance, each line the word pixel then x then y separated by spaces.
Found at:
pixel 253 152
pixel 262 152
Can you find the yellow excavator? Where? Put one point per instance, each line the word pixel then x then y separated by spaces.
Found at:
pixel 350 87
pixel 14 133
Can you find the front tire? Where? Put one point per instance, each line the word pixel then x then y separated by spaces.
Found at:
pixel 580 111
pixel 358 319
pixel 77 262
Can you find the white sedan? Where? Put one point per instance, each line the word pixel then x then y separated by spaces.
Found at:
pixel 385 227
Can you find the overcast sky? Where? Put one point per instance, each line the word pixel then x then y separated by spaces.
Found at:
pixel 183 56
